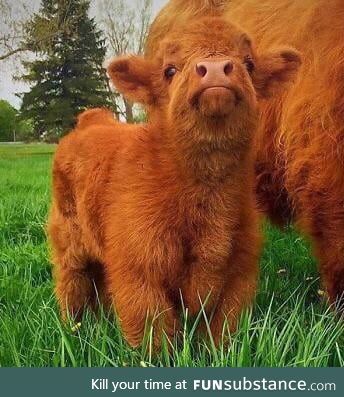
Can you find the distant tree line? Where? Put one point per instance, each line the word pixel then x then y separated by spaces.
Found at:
pixel 65 71
pixel 12 127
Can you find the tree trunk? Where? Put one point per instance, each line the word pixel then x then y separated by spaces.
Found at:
pixel 129 111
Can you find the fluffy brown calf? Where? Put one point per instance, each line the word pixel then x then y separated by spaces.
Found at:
pixel 300 145
pixel 148 213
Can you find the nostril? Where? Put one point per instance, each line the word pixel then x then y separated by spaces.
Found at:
pixel 228 68
pixel 201 70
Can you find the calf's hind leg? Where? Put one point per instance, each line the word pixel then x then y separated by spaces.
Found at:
pixel 77 277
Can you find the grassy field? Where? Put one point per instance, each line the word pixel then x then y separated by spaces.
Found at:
pixel 290 325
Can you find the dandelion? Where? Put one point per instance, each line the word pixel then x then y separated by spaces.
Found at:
pixel 76 327
pixel 282 271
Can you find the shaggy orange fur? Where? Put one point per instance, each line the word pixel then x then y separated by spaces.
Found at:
pixel 300 145
pixel 94 116
pixel 149 213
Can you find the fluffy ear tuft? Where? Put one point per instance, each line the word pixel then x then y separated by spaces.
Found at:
pixel 132 76
pixel 275 70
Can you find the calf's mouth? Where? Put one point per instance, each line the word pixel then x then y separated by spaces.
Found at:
pixel 215 101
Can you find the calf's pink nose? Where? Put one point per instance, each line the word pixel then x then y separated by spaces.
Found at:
pixel 214 71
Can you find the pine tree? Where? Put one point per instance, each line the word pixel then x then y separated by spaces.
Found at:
pixel 67 77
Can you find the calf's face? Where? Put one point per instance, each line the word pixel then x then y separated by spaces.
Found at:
pixel 207 70
pixel 208 73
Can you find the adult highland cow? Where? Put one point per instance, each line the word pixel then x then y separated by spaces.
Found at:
pixel 149 213
pixel 300 145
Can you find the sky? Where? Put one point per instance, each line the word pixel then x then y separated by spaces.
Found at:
pixel 8 87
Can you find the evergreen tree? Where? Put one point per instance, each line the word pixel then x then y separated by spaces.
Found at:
pixel 66 77
pixel 8 121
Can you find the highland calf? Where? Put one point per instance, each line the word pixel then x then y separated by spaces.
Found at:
pixel 300 142
pixel 143 215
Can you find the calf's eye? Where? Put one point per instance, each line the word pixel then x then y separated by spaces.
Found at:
pixel 170 71
pixel 248 61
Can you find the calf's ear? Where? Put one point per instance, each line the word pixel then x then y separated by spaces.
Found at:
pixel 133 77
pixel 275 70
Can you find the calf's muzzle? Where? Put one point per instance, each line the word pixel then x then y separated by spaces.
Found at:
pixel 214 73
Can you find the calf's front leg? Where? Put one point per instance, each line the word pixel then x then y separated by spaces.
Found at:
pixel 240 283
pixel 138 302
pixel 225 291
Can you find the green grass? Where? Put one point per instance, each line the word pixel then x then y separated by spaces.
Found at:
pixel 290 325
